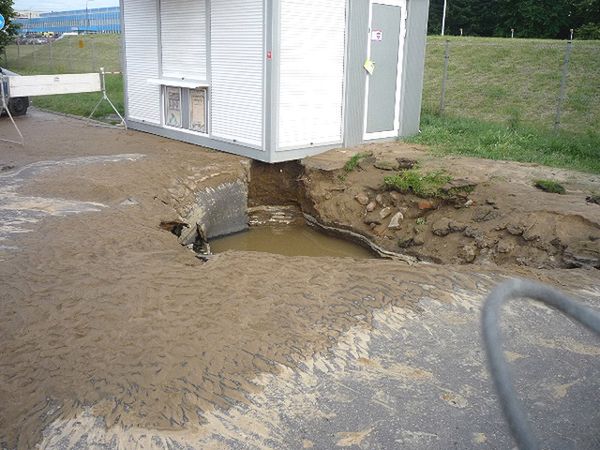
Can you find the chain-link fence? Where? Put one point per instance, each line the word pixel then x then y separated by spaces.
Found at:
pixel 69 54
pixel 540 83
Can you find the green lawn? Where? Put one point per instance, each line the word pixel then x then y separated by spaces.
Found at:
pixel 484 139
pixel 501 101
pixel 71 54
pixel 83 104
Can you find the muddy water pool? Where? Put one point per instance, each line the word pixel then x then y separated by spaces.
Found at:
pixel 289 240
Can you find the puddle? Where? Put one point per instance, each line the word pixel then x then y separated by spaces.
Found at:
pixel 289 240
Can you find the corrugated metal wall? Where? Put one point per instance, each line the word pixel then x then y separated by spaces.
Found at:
pixel 141 54
pixel 237 68
pixel 311 83
pixel 183 38
pixel 414 66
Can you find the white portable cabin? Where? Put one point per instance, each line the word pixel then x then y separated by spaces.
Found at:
pixel 274 80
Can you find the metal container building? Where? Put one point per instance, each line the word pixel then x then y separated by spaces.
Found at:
pixel 274 80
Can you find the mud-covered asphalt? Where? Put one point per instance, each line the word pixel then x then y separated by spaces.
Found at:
pixel 115 336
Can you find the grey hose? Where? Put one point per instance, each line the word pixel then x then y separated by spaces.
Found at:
pixel 511 406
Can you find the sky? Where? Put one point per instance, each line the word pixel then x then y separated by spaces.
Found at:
pixel 61 5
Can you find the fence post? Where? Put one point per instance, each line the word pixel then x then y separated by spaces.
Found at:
pixel 51 56
pixel 445 76
pixel 93 45
pixel 563 85
pixel 70 54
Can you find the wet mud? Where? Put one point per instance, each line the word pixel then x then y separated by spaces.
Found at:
pixel 108 325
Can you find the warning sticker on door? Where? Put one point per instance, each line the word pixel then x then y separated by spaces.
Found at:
pixel 369 66
pixel 377 35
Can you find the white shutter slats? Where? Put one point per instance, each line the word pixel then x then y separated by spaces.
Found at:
pixel 237 62
pixel 141 53
pixel 183 38
pixel 311 72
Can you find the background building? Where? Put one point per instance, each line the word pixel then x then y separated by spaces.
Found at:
pixel 97 20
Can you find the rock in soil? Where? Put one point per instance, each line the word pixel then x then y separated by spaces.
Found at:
pixel 505 246
pixel 363 199
pixel 385 212
pixel 372 218
pixel 485 213
pixel 386 164
pixel 405 163
pixel 468 253
pixel 425 205
pixel 371 206
pixel 445 226
pixel 395 222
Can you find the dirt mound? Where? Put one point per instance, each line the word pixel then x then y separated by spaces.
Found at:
pixel 475 215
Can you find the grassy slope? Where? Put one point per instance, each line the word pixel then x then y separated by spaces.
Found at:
pixel 501 101
pixel 515 80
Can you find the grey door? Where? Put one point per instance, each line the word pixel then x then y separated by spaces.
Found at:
pixel 385 44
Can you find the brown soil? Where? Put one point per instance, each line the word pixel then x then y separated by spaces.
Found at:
pixel 107 311
pixel 505 220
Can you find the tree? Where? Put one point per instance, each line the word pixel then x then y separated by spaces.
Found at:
pixel 10 29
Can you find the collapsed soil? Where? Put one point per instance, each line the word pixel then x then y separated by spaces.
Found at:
pixel 107 311
pixel 493 216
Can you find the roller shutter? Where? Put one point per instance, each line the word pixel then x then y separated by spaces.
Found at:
pixel 183 38
pixel 237 66
pixel 141 53
pixel 311 72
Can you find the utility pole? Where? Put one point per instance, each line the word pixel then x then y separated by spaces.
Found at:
pixel 444 17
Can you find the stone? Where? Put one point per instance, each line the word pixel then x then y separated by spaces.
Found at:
pixel 395 196
pixel 445 226
pixel 379 199
pixel 472 232
pixel 418 240
pixel 514 229
pixel 441 227
pixel 457 227
pixel 372 218
pixel 365 163
pixel 405 163
pixel 371 206
pixel 459 186
pixel 468 253
pixel 425 205
pixel 469 203
pixel 385 212
pixel 485 213
pixel 530 234
pixel 386 164
pixel 362 198
pixel 395 222
pixel 505 246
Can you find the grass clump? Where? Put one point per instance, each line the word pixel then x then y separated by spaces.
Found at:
pixel 549 186
pixel 474 137
pixel 353 162
pixel 425 185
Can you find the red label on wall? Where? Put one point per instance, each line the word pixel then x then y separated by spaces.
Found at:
pixel 269 55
